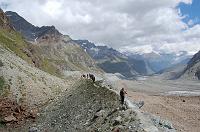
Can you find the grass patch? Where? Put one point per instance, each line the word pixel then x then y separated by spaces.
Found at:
pixel 48 67
pixel 2 83
pixel 14 41
pixel 1 63
pixel 4 88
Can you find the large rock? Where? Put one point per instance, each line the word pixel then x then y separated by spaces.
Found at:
pixel 9 118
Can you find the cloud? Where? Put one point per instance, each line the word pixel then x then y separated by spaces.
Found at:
pixel 121 24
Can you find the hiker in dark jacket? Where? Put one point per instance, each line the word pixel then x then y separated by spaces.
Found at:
pixel 92 77
pixel 122 95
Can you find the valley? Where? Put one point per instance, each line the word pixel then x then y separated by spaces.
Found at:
pixel 42 87
pixel 174 100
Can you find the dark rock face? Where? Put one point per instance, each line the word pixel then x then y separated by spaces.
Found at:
pixel 4 21
pixel 112 61
pixel 29 31
pixel 195 59
pixel 192 70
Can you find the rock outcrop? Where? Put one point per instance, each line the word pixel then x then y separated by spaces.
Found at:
pixel 4 21
pixel 192 71
pixel 29 31
pixel 90 107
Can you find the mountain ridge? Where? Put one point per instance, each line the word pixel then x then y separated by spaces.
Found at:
pixel 192 71
pixel 29 31
pixel 112 61
pixel 55 52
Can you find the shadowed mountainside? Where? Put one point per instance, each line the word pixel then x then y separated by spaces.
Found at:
pixel 112 61
pixel 192 71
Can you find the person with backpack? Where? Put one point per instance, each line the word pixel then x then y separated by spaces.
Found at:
pixel 122 95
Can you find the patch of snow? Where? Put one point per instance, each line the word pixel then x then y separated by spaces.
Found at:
pixel 95 49
pixel 8 15
pixel 143 78
pixel 36 39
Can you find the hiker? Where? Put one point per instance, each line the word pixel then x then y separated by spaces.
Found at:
pixel 122 95
pixel 92 77
pixel 83 76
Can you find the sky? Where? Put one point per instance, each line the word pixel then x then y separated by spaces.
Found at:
pixel 126 25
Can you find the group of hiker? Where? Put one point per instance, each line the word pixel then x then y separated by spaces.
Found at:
pixel 122 91
pixel 89 76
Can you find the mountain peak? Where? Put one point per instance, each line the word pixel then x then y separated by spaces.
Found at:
pixel 30 32
pixel 4 21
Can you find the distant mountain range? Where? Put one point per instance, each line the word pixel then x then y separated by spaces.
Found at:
pixel 161 61
pixel 112 61
pixel 68 54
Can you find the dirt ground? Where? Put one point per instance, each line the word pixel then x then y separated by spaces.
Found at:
pixel 183 112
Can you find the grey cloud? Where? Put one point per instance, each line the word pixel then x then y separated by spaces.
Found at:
pixel 119 24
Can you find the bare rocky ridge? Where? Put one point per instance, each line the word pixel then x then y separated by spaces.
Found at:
pixel 192 71
pixel 77 110
pixel 4 21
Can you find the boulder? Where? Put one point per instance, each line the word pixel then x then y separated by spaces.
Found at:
pixel 101 113
pixel 118 120
pixel 9 118
pixel 33 129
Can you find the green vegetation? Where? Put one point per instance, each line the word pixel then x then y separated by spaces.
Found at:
pixel 2 83
pixel 2 124
pixel 1 63
pixel 47 66
pixel 14 41
pixel 4 88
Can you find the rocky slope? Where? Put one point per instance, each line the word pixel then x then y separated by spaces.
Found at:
pixel 112 61
pixel 65 105
pixel 25 83
pixel 91 107
pixel 192 71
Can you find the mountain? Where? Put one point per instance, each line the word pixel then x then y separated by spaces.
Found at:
pixel 112 61
pixel 4 21
pixel 161 61
pixel 192 71
pixel 29 31
pixel 34 100
pixel 20 80
pixel 55 53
